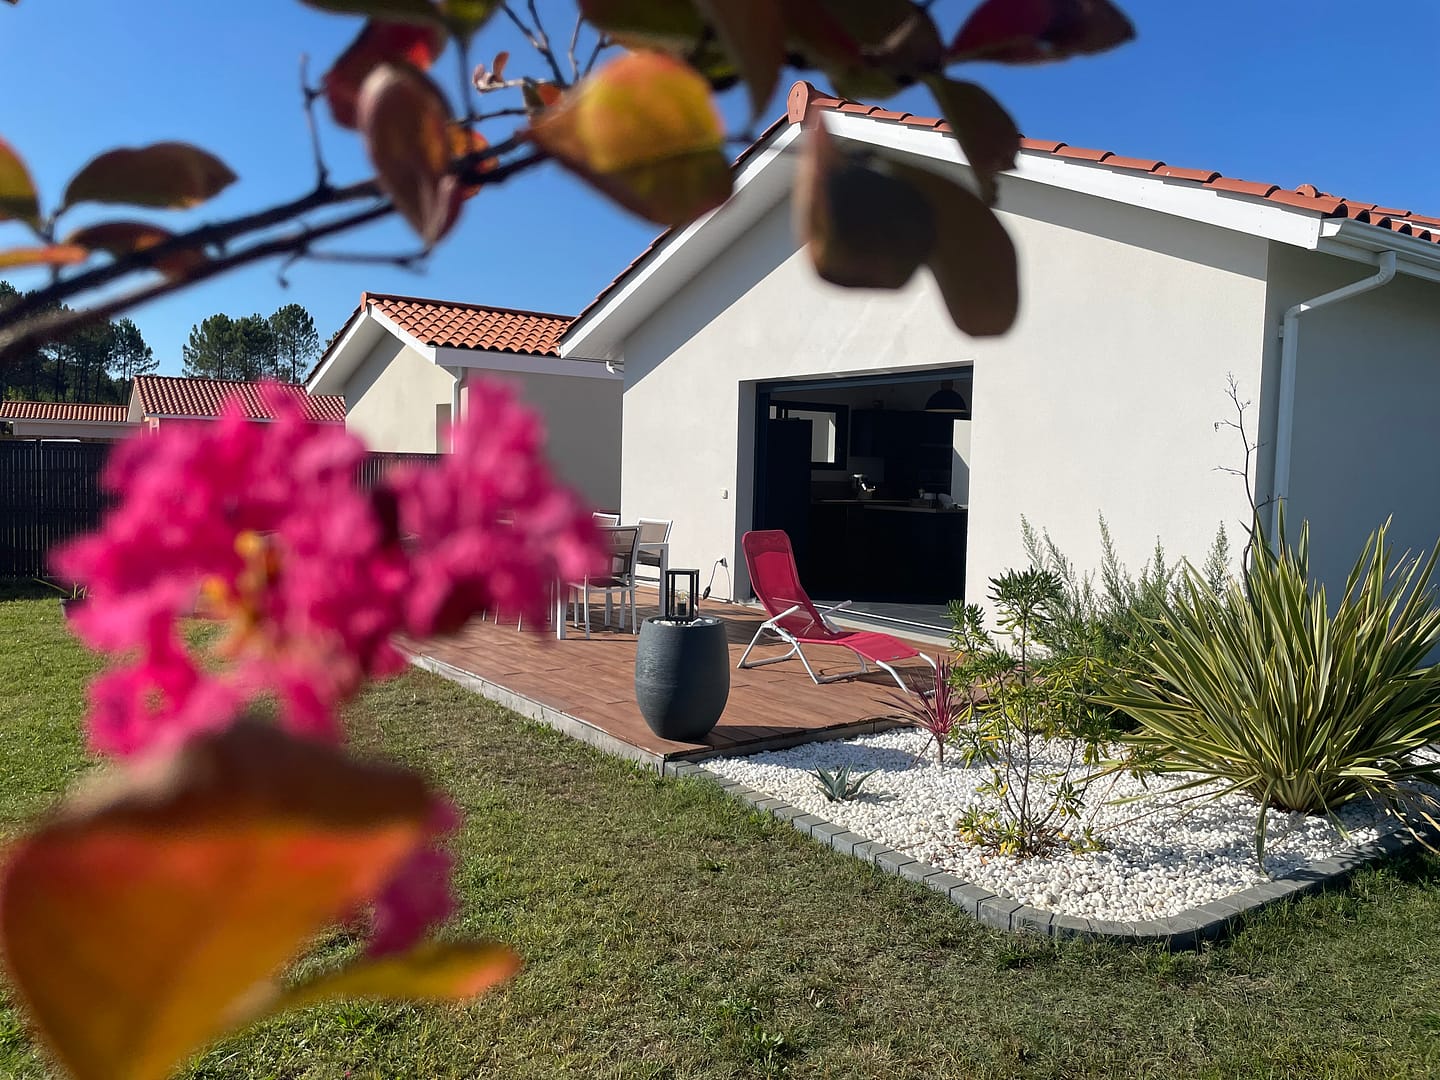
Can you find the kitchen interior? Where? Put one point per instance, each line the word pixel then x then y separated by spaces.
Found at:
pixel 870 477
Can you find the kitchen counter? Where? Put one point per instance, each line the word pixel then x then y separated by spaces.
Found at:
pixel 885 549
pixel 892 504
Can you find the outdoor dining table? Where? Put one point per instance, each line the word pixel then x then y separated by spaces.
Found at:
pixel 562 588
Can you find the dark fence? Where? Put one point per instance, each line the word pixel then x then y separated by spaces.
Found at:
pixel 377 465
pixel 50 491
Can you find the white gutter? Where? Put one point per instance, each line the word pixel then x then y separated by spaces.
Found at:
pixel 1289 352
pixel 459 374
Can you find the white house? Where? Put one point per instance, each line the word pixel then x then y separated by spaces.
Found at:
pixel 404 364
pixel 1144 286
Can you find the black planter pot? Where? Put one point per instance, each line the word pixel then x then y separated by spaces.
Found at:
pixel 69 605
pixel 682 677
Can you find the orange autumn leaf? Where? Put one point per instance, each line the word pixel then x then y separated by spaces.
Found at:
pixel 406 125
pixel 167 175
pixel 414 43
pixel 120 238
pixel 645 131
pixel 150 913
pixel 48 255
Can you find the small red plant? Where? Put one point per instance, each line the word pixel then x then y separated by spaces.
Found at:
pixel 938 710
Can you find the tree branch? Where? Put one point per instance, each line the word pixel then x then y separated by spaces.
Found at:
pixel 19 334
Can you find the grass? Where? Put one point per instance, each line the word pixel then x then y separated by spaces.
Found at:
pixel 670 932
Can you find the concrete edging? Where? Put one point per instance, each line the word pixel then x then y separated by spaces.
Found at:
pixel 1188 930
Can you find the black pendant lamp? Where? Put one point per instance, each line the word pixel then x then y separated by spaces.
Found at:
pixel 947 400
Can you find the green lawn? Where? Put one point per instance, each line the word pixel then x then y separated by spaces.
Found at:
pixel 669 932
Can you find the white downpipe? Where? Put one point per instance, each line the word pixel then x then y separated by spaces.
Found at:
pixel 459 374
pixel 1289 353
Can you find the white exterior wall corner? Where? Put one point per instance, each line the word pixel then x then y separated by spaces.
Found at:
pixel 1367 396
pixel 582 425
pixel 1102 399
pixel 391 399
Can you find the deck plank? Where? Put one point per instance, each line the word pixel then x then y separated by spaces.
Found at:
pixel 593 681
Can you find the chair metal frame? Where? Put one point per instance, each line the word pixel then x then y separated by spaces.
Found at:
pixel 773 625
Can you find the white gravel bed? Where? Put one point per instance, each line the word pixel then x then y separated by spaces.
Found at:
pixel 1162 856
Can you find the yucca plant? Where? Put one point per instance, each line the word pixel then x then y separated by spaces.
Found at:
pixel 838 785
pixel 1266 689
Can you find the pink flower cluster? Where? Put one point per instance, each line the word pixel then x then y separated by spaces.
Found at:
pixel 264 526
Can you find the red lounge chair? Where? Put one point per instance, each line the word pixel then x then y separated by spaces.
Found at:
pixel 795 619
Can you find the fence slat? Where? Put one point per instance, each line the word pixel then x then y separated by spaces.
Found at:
pixel 50 491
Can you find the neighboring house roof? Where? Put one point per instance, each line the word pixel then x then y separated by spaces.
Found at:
pixel 450 334
pixel 457 325
pixel 63 411
pixel 172 396
pixel 805 102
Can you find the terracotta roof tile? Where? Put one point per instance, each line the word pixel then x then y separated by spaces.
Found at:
pixel 455 325
pixel 1115 161
pixel 63 410
pixel 804 100
pixel 167 395
pixel 1081 153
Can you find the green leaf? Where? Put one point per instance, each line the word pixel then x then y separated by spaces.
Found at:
pixel 972 259
pixel 433 971
pixel 168 175
pixel 644 130
pixel 406 125
pixel 465 17
pixel 18 198
pixel 987 134
pixel 753 33
pixel 865 228
pixel 390 10
pixel 142 920
pixel 669 25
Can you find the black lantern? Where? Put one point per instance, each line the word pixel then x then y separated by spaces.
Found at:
pixel 682 587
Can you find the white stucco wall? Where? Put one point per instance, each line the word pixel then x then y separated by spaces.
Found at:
pixel 87 430
pixel 582 423
pixel 1102 399
pixel 391 400
pixel 1367 391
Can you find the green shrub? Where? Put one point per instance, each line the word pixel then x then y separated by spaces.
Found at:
pixel 1266 689
pixel 1023 692
pixel 1109 619
pixel 1105 622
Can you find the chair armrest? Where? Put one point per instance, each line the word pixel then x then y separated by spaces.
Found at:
pixel 833 607
pixel 774 619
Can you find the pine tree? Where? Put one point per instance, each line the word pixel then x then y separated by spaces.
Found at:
pixel 213 351
pixel 297 344
pixel 129 356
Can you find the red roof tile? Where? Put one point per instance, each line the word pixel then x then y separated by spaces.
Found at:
pixel 454 325
pixel 804 100
pixel 167 395
pixel 63 410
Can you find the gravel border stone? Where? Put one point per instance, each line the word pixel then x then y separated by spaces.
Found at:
pixel 1189 929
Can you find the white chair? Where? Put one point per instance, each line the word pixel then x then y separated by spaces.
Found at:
pixel 619 542
pixel 604 520
pixel 653 531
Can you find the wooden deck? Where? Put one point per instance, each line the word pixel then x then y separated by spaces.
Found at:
pixel 586 688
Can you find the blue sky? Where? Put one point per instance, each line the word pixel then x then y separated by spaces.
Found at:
pixel 1285 92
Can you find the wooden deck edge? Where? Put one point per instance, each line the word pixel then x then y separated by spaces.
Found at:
pixel 578 729
pixel 783 742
